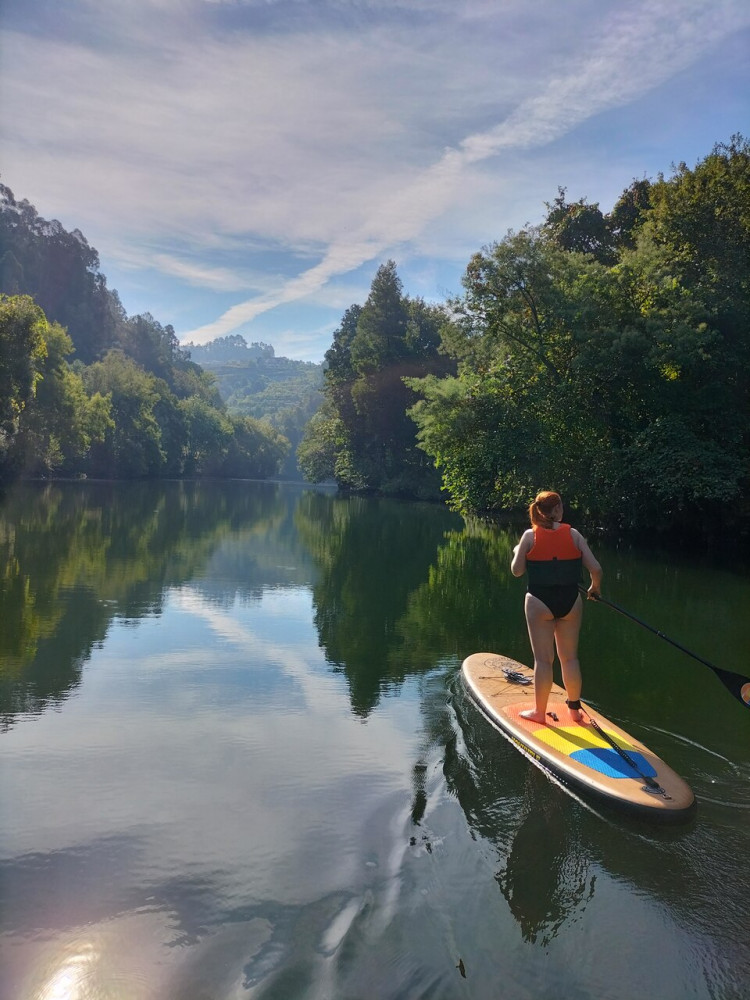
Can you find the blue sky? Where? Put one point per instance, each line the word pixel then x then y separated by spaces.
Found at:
pixel 245 166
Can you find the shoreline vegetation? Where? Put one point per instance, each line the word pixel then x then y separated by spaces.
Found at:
pixel 602 354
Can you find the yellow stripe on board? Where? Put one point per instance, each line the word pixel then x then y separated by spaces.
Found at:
pixel 568 739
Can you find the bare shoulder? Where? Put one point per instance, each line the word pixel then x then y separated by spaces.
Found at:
pixel 518 562
pixel 578 538
pixel 589 559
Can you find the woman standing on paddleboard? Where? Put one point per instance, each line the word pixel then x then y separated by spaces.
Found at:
pixel 552 553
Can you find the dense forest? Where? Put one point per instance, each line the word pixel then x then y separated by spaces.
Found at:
pixel 87 390
pixel 605 355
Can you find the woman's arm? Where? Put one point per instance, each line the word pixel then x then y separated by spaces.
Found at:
pixel 590 562
pixel 518 562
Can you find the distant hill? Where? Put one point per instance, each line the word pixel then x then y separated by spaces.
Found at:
pixel 253 382
pixel 228 349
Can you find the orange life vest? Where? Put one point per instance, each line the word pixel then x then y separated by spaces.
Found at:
pixel 554 559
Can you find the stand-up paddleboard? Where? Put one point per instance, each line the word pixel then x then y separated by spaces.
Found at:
pixel 581 755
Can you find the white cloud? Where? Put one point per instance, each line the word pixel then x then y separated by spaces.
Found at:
pixel 637 51
pixel 269 156
pixel 219 278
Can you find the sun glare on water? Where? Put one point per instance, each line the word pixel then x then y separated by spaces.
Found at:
pixel 72 980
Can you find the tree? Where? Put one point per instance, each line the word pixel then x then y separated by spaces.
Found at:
pixel 256 450
pixel 132 404
pixel 692 267
pixel 22 350
pixel 550 379
pixel 380 336
pixel 364 437
pixel 132 447
pixel 208 433
pixel 61 421
pixel 580 227
pixel 321 445
pixel 149 344
pixel 60 271
pixel 700 220
pixel 629 212
pixel 620 384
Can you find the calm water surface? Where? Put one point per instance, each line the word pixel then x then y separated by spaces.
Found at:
pixel 237 762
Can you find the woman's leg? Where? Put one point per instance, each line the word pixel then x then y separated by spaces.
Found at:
pixel 541 625
pixel 566 640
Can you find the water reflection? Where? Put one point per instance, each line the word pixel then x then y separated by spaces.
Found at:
pixel 396 587
pixel 542 868
pixel 371 556
pixel 72 980
pixel 270 783
pixel 389 580
pixel 402 586
pixel 73 557
pixel 546 878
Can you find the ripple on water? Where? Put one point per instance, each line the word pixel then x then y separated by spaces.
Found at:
pixel 712 776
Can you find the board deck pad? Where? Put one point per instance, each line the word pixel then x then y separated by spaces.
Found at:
pixel 585 745
pixel 575 752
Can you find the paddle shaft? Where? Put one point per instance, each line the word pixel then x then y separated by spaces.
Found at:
pixel 735 683
pixel 653 785
pixel 656 631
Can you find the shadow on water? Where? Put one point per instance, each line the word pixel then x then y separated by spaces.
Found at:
pixel 544 889
pixel 542 866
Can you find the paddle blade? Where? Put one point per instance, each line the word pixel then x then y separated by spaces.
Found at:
pixel 736 683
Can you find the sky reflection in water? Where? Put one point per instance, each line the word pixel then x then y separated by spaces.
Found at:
pixel 252 772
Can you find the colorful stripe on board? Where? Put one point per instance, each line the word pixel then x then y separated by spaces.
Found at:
pixel 583 745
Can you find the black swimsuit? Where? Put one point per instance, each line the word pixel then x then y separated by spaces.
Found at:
pixel 558 598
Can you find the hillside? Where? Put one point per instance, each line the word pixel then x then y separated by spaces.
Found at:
pixel 86 390
pixel 253 382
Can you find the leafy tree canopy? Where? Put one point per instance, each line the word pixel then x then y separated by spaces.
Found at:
pixel 85 389
pixel 605 355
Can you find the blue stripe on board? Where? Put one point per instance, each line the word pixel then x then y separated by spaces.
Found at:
pixel 609 762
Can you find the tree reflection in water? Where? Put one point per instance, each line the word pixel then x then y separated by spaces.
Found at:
pixel 75 556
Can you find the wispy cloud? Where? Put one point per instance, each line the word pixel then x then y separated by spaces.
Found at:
pixel 266 149
pixel 219 278
pixel 637 50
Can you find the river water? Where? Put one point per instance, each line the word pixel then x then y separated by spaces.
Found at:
pixel 237 761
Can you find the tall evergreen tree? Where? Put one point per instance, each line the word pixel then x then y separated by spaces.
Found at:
pixel 363 436
pixel 380 338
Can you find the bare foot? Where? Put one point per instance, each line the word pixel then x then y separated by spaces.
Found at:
pixel 576 714
pixel 533 715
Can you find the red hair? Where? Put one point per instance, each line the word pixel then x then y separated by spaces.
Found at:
pixel 540 510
